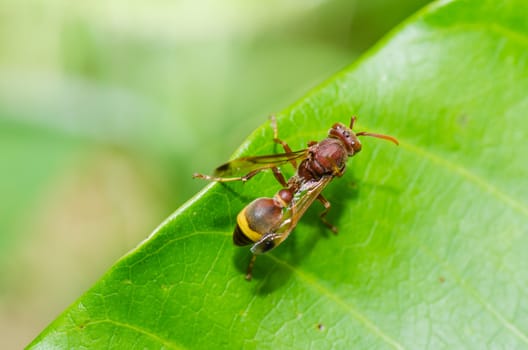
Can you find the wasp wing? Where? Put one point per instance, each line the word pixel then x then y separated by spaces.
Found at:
pixel 249 164
pixel 303 199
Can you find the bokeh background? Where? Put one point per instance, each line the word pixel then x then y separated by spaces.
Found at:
pixel 108 107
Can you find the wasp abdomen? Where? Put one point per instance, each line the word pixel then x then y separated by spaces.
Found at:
pixel 261 216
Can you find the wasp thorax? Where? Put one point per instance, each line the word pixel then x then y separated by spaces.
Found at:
pixel 330 155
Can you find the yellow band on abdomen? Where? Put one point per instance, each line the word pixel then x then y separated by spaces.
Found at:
pixel 244 227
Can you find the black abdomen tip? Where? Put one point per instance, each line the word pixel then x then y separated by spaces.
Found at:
pixel 240 238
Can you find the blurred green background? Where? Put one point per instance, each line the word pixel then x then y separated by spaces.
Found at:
pixel 108 107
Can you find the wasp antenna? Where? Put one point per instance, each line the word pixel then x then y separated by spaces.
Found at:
pixel 352 122
pixel 379 136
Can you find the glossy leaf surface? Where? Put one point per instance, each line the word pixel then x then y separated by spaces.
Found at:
pixel 433 236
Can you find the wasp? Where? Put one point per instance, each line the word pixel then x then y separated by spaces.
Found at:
pixel 266 222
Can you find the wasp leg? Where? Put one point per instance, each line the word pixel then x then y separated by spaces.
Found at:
pixel 338 171
pixel 250 267
pixel 278 175
pixel 276 172
pixel 283 143
pixel 228 179
pixel 327 206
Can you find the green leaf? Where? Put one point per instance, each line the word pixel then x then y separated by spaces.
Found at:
pixel 433 235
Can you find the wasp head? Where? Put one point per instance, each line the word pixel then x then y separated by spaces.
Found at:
pixel 347 137
pixel 350 139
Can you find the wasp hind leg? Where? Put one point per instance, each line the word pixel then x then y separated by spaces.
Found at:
pixel 250 267
pixel 276 173
pixel 227 179
pixel 327 206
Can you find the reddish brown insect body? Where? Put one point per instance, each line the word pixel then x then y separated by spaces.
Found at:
pixel 267 222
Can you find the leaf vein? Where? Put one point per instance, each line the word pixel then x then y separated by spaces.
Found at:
pixel 311 281
pixel 473 291
pixel 513 203
pixel 165 342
